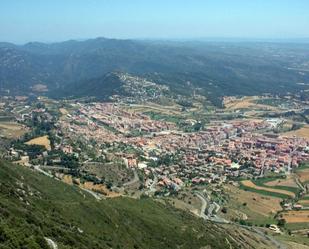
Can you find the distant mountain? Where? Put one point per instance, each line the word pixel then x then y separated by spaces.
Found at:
pixel 113 84
pixel 216 69
pixel 35 210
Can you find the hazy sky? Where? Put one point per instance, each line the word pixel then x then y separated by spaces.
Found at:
pixel 55 20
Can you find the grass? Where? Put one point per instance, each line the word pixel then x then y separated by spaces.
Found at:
pixel 303 166
pixel 261 182
pixel 33 206
pixel 296 226
pixel 164 117
pixel 263 192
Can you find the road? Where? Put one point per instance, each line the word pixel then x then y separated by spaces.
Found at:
pixel 38 168
pixel 51 243
pixel 211 208
pixel 204 205
pixel 278 244
pixel 95 195
pixel 214 208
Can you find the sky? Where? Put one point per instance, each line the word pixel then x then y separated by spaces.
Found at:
pixel 57 20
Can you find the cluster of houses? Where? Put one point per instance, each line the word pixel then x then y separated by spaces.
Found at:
pixel 215 154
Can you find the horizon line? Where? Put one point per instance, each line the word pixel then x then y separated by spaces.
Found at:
pixel 179 39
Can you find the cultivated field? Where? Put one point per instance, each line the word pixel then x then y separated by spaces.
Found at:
pixel 263 205
pixel 304 202
pixel 302 132
pixel 296 216
pixel 168 110
pixel 251 185
pixel 44 141
pixel 303 175
pixel 11 130
pixel 289 182
pixel 247 103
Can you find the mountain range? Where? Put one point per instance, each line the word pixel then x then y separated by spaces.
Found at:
pixel 214 69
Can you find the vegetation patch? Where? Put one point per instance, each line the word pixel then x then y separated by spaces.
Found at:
pixel 250 186
pixel 43 141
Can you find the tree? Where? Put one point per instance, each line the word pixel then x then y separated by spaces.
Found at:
pixel 224 210
pixel 281 222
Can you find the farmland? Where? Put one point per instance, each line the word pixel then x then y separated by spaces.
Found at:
pixel 303 175
pixel 302 132
pixel 248 102
pixel 43 140
pixel 296 216
pixel 255 207
pixel 289 182
pixel 11 130
pixel 249 185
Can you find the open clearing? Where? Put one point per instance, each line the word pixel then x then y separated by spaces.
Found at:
pixel 247 103
pixel 169 110
pixel 63 111
pixel 44 141
pixel 250 184
pixel 100 188
pixel 257 203
pixel 302 132
pixel 296 216
pixel 303 175
pixel 11 129
pixel 289 182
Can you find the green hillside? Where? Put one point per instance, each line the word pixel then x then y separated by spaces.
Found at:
pixel 33 206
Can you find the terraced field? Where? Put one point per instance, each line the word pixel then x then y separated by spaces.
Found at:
pixel 289 182
pixel 296 216
pixel 249 185
pixel 257 208
pixel 303 175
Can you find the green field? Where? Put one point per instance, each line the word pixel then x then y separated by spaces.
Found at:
pixel 263 192
pixel 261 182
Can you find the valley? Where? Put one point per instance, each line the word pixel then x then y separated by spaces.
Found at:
pixel 238 166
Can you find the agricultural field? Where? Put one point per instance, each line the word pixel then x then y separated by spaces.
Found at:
pixel 248 102
pixel 303 175
pixel 44 141
pixel 304 202
pixel 302 132
pixel 254 207
pixel 11 130
pixel 167 110
pixel 301 216
pixel 276 191
pixel 289 182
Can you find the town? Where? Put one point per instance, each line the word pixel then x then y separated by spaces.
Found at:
pixel 116 148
